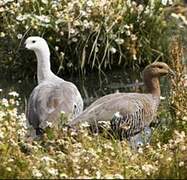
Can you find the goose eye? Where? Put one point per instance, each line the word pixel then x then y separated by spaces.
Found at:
pixel 33 41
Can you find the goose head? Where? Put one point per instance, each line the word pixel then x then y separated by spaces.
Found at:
pixel 157 69
pixel 151 75
pixel 36 43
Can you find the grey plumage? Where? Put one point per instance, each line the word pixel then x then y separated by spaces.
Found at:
pixel 47 101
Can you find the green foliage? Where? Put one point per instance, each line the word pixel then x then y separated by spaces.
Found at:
pixel 84 34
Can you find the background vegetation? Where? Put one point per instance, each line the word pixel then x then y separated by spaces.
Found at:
pixel 84 35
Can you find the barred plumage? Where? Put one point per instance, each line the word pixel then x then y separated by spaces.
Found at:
pixel 131 123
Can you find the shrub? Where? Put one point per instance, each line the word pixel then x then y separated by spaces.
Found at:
pixel 84 34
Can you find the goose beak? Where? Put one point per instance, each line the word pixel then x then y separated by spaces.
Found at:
pixel 171 73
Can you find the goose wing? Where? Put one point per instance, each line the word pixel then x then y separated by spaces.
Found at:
pixel 47 100
pixel 137 110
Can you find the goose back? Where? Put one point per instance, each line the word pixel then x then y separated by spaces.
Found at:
pixel 130 106
pixel 49 97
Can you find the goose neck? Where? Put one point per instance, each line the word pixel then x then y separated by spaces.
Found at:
pixel 43 65
pixel 152 85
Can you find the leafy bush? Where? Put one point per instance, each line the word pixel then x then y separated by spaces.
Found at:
pixel 84 34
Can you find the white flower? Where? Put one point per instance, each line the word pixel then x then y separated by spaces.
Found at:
pixel 119 41
pixel 175 15
pixel 148 168
pixel 21 132
pixel 86 172
pixel 49 124
pixel 2 34
pixel 43 18
pixel 56 48
pixel 72 31
pixel 90 3
pixel 169 159
pixel 74 39
pixel 7 1
pixel 63 175
pixel 22 120
pixel 128 3
pixel 47 159
pixel 52 171
pixel 140 150
pixel 164 2
pixel 128 33
pixel 1 90
pixel 83 13
pixel 1 135
pixel 162 98
pixel 2 114
pixel 86 24
pixel 8 169
pixel 13 93
pixel 170 2
pixel 184 118
pixel 22 17
pixel 133 37
pixel 126 26
pixel 140 8
pixel 134 57
pixel 181 164
pixel 36 172
pixel 98 174
pixel 117 114
pixel 10 160
pixel 45 1
pixel 133 3
pixel 61 33
pixel 118 176
pixel 85 124
pixel 108 176
pixel 147 10
pixel 4 102
pixel 113 50
pixel 19 36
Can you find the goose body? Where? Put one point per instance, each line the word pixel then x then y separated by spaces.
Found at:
pixel 128 113
pixel 135 107
pixel 52 94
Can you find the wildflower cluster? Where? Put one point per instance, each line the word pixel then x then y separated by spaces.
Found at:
pixel 80 154
pixel 92 33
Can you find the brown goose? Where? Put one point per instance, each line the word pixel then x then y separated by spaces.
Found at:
pixel 128 113
pixel 53 94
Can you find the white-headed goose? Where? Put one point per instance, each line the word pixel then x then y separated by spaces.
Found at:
pixel 52 94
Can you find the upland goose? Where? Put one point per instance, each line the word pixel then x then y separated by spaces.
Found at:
pixel 52 94
pixel 128 113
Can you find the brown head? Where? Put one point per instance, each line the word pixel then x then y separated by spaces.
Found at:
pixel 151 75
pixel 157 69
